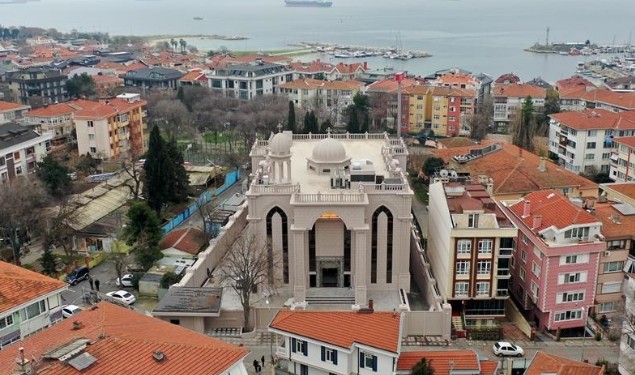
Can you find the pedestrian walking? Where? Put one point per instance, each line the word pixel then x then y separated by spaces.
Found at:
pixel 97 285
pixel 262 359
pixel 256 365
pixel 90 281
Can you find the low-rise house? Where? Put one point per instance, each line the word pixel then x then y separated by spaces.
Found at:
pixel 622 166
pixel 448 362
pixel 332 72
pixel 623 84
pixel 106 85
pixel 544 363
pixel 153 77
pixel 30 302
pixel 555 264
pixel 12 111
pixel 108 339
pixel 539 82
pixel 21 149
pixel 182 243
pixel 195 77
pixel 247 80
pixel 507 78
pixel 343 342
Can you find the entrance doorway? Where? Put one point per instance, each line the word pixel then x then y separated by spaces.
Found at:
pixel 330 278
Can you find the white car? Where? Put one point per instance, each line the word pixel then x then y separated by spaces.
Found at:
pixel 123 296
pixel 126 280
pixel 70 310
pixel 504 348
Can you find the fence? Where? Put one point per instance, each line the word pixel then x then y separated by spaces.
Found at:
pixel 230 179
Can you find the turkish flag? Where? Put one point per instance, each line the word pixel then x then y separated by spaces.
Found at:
pixel 399 76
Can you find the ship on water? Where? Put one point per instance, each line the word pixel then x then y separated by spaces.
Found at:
pixel 308 3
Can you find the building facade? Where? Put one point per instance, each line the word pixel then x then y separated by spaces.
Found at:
pixel 470 249
pixel 20 149
pixel 336 220
pixel 555 265
pixel 153 77
pixel 509 99
pixel 37 86
pixel 245 81
pixel 12 111
pixel 622 165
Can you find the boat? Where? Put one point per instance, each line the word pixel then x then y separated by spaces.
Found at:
pixel 308 3
pixel 198 18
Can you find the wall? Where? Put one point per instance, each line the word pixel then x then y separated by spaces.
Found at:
pixel 515 316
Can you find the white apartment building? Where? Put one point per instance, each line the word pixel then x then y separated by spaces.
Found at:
pixel 584 139
pixel 336 208
pixel 470 250
pixel 20 150
pixel 337 342
pixel 623 160
pixel 508 101
pixel 244 81
pixel 12 111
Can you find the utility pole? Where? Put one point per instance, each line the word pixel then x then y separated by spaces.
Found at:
pixel 399 77
pixel 547 38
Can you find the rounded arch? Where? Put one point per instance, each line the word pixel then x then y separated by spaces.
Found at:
pixel 352 218
pixel 285 243
pixel 374 246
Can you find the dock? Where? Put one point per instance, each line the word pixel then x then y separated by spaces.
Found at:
pixel 353 51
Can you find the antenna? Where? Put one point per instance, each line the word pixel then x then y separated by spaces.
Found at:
pixel 547 38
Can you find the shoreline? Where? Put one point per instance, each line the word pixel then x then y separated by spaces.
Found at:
pixel 153 39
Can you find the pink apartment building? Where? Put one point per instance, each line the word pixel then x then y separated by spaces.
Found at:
pixel 555 264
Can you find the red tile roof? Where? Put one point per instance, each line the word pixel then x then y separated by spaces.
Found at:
pixel 556 210
pixel 19 286
pixel 507 78
pixel 390 85
pixel 627 141
pixel 573 82
pixel 194 75
pixel 9 106
pixel 342 328
pixel 51 110
pixel 519 91
pixel 596 119
pixel 123 341
pixel 606 213
pixel 623 100
pixel 627 188
pixel 87 109
pixel 544 363
pixel 189 240
pixel 514 170
pixel 445 360
pixel 309 83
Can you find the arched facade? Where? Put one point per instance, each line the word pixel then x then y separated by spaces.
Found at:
pixel 385 234
pixel 284 250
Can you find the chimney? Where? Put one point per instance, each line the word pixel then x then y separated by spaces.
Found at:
pixel 370 304
pixel 527 209
pixel 489 187
pixel 542 166
pixel 365 65
pixel 537 221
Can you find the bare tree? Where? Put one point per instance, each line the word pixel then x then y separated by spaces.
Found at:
pixel 247 265
pixel 135 177
pixel 205 211
pixel 624 323
pixel 61 223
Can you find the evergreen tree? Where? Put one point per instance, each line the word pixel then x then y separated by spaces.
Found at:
pixel 81 85
pixel 353 122
pixel 47 261
pixel 143 230
pixel 54 175
pixel 422 368
pixel 180 95
pixel 365 124
pixel 291 117
pixel 310 123
pixel 177 191
pixel 313 120
pixel 326 125
pixel 156 167
pixel 306 123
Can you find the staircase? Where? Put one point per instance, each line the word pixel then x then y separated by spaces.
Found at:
pixel 331 300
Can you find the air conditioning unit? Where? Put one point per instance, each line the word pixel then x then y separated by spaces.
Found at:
pixel 607 253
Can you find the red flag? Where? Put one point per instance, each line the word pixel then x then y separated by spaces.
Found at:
pixel 399 76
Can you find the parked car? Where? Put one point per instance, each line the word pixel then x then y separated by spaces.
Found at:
pixel 504 348
pixel 77 275
pixel 126 280
pixel 70 310
pixel 123 296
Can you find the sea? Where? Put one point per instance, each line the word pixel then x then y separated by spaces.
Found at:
pixel 487 36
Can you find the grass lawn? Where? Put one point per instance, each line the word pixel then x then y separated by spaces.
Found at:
pixel 219 138
pixel 420 189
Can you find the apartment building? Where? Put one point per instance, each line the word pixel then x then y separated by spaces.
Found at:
pixel 332 72
pixel 509 99
pixel 584 139
pixel 383 98
pixel 12 111
pixel 555 263
pixel 56 120
pixel 247 80
pixel 30 302
pixel 470 251
pixel 420 112
pixel 328 98
pixel 623 160
pixel 37 86
pixel 337 342
pixel 463 79
pixel 152 77
pixel 20 150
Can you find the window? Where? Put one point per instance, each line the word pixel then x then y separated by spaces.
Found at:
pixel 570 259
pixel 90 124
pixel 577 232
pixel 304 370
pixel 472 221
pixel 611 287
pixel 619 244
pixel 522 273
pixel 329 355
pixel 534 289
pixel 485 247
pixel 298 346
pixel 592 133
pixel 613 267
pixel 91 137
pixel 590 145
pixel 524 239
pixel 607 307
pixel 2 162
pixel 461 289
pixel 569 297
pixel 368 361
pixel 35 309
pixel 630 341
pixel 482 289
pixel 462 267
pixel 93 150
pixel 523 256
pixel 568 315
pixel 484 267
pixel 535 269
pixel 464 247
pixel 568 278
pixel 589 156
pixel 6 321
pixel 606 155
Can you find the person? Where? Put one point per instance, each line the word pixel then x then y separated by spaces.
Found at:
pixel 90 281
pixel 97 285
pixel 262 359
pixel 256 365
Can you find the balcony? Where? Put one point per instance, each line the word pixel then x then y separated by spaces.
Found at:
pixel 505 252
pixel 503 272
pixel 502 292
pixel 282 352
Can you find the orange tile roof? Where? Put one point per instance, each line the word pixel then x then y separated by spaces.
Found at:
pixel 555 208
pixel 342 328
pixel 106 78
pixel 489 367
pixel 189 240
pixel 543 363
pixel 627 141
pixel 453 79
pixel 575 92
pixel 9 106
pixel 390 85
pixel 519 91
pixel 605 212
pixel 624 100
pixel 462 360
pixel 309 83
pixel 19 286
pixel 87 109
pixel 349 68
pixel 51 110
pixel 514 170
pixel 123 341
pixel 194 75
pixel 507 78
pixel 312 67
pixel 626 188
pixel 596 119
pixel 573 82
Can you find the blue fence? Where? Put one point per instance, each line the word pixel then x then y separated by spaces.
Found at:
pixel 230 179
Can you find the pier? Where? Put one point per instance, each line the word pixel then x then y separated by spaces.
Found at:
pixel 352 51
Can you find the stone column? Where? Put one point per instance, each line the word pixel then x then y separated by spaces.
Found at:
pixel 360 279
pixel 289 170
pixel 298 267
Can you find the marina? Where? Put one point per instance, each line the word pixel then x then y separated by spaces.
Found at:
pixel 350 51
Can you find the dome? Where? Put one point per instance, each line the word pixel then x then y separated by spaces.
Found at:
pixel 329 150
pixel 280 144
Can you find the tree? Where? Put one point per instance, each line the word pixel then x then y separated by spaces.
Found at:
pixel 183 44
pixel 422 368
pixel 54 176
pixel 143 230
pixel 59 228
pixel 432 165
pixel 326 126
pixel 358 114
pixel 246 266
pixel 173 43
pixel 87 164
pixel 353 122
pixel 291 117
pixel 155 181
pixel 524 125
pixel 310 123
pixel 179 180
pixel 179 94
pixel 47 261
pixel 481 121
pixel 81 85
pixel 135 177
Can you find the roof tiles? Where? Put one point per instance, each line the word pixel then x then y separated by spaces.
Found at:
pixel 19 286
pixel 544 363
pixel 596 119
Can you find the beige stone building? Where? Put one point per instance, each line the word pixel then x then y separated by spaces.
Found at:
pixel 337 211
